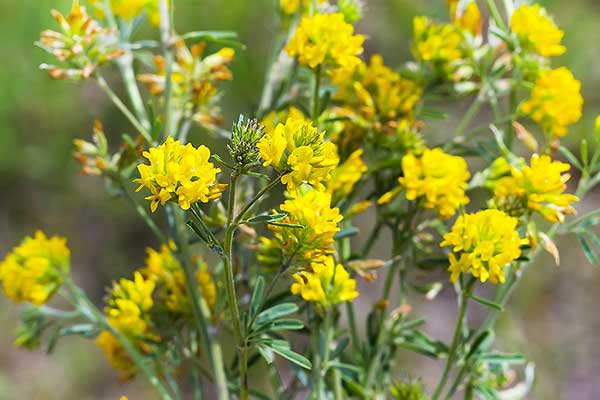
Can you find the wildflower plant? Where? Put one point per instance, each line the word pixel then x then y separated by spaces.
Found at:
pixel 260 261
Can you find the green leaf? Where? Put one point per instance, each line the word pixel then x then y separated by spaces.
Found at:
pixel 344 233
pixel 482 342
pixel 226 38
pixel 85 330
pixel 292 356
pixel 277 311
pixel 487 303
pixel 265 218
pixel 286 325
pixel 287 225
pixel 587 250
pixel 205 237
pixel 257 296
pixel 266 353
pixel 502 358
pixel 571 157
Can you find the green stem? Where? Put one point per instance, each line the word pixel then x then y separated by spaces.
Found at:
pixel 122 107
pixel 469 115
pixel 495 13
pixel 316 96
pixel 244 372
pixel 167 47
pixel 455 339
pixel 320 360
pixel 125 64
pixel 255 199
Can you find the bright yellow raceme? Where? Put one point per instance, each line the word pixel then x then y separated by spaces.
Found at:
pixel 325 38
pixel 555 101
pixel 434 42
pixel 325 283
pixel 536 30
pixel 179 172
pixel 34 270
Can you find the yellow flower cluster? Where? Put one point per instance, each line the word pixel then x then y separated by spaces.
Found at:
pixel 325 283
pixel 435 42
pixel 325 39
pixel 346 176
pixel 179 171
pixel 82 43
pixel 536 30
pixel 469 18
pixel 165 270
pixel 484 242
pixel 290 7
pixel 299 150
pixel 440 179
pixel 274 118
pixel 540 185
pixel 555 101
pixel 34 270
pixel 129 9
pixel 195 80
pixel 127 311
pixel 307 232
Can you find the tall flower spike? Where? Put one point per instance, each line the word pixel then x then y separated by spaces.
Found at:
pixel 179 172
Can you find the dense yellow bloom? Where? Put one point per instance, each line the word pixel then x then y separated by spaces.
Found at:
pixel 129 9
pixel 540 187
pixel 434 42
pixel 483 244
pixel 274 118
pixel 314 224
pixel 555 101
pixel 325 283
pixel 34 270
pixel 346 176
pixel 127 311
pixel 164 269
pixel 179 172
pixel 195 80
pixel 325 38
pixel 440 179
pixel 536 30
pixel 299 150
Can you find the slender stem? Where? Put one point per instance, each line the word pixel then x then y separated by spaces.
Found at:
pixel 122 107
pixel 125 64
pixel 316 360
pixel 167 47
pixel 455 339
pixel 320 360
pixel 495 13
pixel 257 197
pixel 316 96
pixel 469 115
pixel 244 372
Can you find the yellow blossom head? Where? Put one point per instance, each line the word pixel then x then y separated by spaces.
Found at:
pixel 555 101
pixel 130 9
pixel 324 283
pixel 179 172
pixel 325 39
pixel 536 30
pixel 299 151
pixel 438 178
pixel 469 18
pixel 435 42
pixel 346 176
pixel 539 187
pixel 34 270
pixel 482 245
pixel 274 118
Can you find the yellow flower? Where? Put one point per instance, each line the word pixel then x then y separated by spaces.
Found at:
pixel 306 233
pixel 274 118
pixel 129 9
pixel 115 353
pixel 325 38
pixel 34 270
pixel 346 176
pixel 195 80
pixel 540 186
pixel 165 270
pixel 440 179
pixel 469 19
pixel 325 283
pixel 483 244
pixel 179 172
pixel 290 7
pixel 555 101
pixel 536 30
pixel 298 150
pixel 434 42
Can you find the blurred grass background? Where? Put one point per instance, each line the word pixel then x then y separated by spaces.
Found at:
pixel 552 317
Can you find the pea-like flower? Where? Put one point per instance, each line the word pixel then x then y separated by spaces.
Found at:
pixel 325 39
pixel 179 172
pixel 82 44
pixel 482 245
pixel 34 270
pixel 539 187
pixel 324 283
pixel 299 151
pixel 435 42
pixel 555 101
pixel 536 31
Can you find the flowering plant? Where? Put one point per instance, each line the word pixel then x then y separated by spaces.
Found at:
pixel 259 247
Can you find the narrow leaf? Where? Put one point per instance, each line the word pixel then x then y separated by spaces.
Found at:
pixel 257 296
pixel 294 357
pixel 487 303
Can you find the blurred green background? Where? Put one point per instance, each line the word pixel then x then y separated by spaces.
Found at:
pixel 552 317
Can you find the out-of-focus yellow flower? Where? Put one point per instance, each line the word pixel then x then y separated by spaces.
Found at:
pixel 299 150
pixel 325 38
pixel 536 30
pixel 325 283
pixel 440 179
pixel 195 80
pixel 435 42
pixel 469 18
pixel 555 101
pixel 129 9
pixel 540 187
pixel 274 118
pixel 306 233
pixel 82 44
pixel 34 270
pixel 346 176
pixel 483 244
pixel 127 310
pixel 164 269
pixel 180 172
